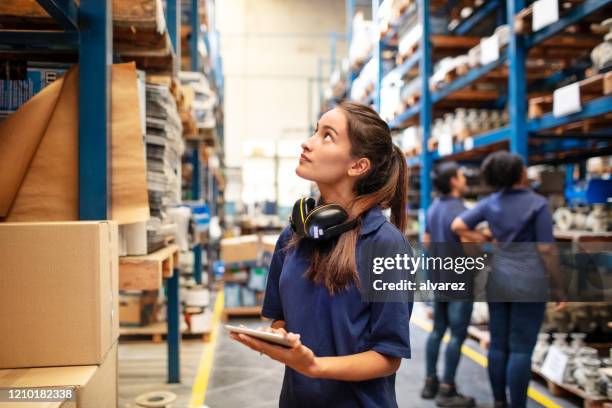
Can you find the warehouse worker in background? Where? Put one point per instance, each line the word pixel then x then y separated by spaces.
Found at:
pixel 515 214
pixel 345 351
pixel 451 184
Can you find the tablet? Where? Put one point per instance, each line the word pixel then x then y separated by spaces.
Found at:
pixel 261 335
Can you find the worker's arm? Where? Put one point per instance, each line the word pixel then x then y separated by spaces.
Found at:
pixel 459 227
pixel 355 367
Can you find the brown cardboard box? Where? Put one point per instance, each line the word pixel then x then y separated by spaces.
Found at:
pixel 240 249
pixel 137 308
pixel 58 293
pixel 268 242
pixel 94 386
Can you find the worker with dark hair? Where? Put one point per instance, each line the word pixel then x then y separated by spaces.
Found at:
pixel 515 214
pixel 450 183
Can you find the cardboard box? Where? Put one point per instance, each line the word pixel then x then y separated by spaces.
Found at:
pixel 58 293
pixel 268 243
pixel 240 249
pixel 137 308
pixel 94 386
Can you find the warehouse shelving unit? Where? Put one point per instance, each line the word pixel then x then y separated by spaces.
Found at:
pixel 520 130
pixel 86 29
pixel 205 185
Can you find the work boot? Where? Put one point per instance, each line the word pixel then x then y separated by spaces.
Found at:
pixel 501 404
pixel 449 397
pixel 430 389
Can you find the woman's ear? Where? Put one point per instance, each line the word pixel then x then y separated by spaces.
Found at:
pixel 359 167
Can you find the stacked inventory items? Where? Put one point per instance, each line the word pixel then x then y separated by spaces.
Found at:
pixel 246 260
pixel 164 150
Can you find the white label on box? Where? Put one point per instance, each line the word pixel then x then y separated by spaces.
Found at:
pixel 566 100
pixel 468 143
pixel 489 49
pixel 445 144
pixel 545 12
pixel 554 364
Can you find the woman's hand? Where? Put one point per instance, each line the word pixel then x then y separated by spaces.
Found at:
pixel 298 357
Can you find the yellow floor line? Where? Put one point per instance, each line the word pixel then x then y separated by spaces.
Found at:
pixel 200 384
pixel 482 361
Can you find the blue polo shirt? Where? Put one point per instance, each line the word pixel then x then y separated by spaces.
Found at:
pixel 440 215
pixel 514 215
pixel 340 324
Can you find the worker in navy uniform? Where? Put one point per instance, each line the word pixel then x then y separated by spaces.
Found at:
pixel 345 350
pixel 521 225
pixel 450 310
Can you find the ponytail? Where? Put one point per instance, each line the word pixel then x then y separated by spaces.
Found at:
pixel 399 174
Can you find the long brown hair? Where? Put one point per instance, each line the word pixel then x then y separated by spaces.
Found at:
pixel 385 184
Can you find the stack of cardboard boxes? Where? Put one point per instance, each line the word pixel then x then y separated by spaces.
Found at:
pixel 58 309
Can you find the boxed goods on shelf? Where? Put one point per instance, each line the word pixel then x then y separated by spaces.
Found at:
pixel 240 249
pixel 138 308
pixel 60 296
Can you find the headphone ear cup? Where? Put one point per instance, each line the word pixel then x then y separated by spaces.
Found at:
pixel 300 211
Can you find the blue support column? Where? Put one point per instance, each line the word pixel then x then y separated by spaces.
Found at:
pixel 377 57
pixel 95 59
pixel 195 35
pixel 197 263
pixel 196 172
pixel 517 84
pixel 173 18
pixel 174 335
pixel 425 67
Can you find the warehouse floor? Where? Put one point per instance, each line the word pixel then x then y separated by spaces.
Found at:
pixel 243 378
pixel 143 368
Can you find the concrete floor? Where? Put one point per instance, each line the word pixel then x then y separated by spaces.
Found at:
pixel 142 368
pixel 242 378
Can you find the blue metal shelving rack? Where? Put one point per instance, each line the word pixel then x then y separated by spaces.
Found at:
pixel 520 129
pixel 87 29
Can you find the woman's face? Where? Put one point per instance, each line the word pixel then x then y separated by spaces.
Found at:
pixel 326 155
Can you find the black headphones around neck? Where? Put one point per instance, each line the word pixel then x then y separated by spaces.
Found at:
pixel 319 222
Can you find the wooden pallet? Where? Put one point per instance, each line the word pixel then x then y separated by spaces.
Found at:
pixel 156 333
pixel 147 271
pixel 590 88
pixel 566 390
pixel 243 311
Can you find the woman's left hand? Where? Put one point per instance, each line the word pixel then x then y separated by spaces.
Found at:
pixel 298 357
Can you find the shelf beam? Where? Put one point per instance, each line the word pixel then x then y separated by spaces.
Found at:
pixel 64 12
pixel 404 116
pixel 596 107
pixel 40 40
pixel 577 13
pixel 398 72
pixel 476 17
pixel 95 59
pixel 467 79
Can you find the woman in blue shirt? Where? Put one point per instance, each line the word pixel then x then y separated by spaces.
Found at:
pixel 515 214
pixel 345 351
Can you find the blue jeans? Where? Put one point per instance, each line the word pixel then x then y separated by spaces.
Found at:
pixel 456 316
pixel 514 332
